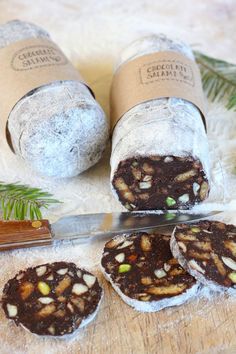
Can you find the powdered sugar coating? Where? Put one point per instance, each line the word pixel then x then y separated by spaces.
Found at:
pixel 59 129
pixel 166 126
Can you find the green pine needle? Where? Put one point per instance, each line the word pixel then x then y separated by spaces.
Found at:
pixel 22 202
pixel 218 78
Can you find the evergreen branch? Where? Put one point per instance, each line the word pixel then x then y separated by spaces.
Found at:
pixel 218 78
pixel 21 202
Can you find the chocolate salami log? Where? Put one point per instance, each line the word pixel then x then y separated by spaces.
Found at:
pixel 207 250
pixel 144 273
pixel 52 299
pixel 59 128
pixel 159 154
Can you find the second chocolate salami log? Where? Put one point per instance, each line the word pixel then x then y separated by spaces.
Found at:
pixel 159 154
pixel 58 128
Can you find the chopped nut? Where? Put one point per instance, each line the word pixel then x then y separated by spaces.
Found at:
pixel 44 288
pixel 160 273
pixel 120 257
pixel 229 262
pixel 20 276
pixel 176 271
pixel 51 330
pixel 196 188
pixel 114 242
pixel 170 201
pixel 146 280
pixel 125 244
pixel 173 261
pixel 183 237
pixel 194 265
pixel 173 289
pixel 168 159
pixel 146 244
pixel 89 280
pixel 129 196
pixel 61 299
pixel 78 302
pixel 167 267
pixel 124 268
pixel 195 229
pixel 232 276
pixel 185 176
pixel 45 300
pixel 79 274
pixel 202 245
pixel 50 277
pixel 231 245
pixel 79 289
pixel 184 198
pixel 121 185
pixel 59 313
pixel 62 271
pixel 41 270
pixel 136 173
pixel 26 290
pixel 147 178
pixel 70 307
pixel 12 310
pixel 147 168
pixel 47 310
pixel 203 256
pixel 219 264
pixel 182 246
pixel 145 298
pixel 204 190
pixel 145 185
pixel 62 285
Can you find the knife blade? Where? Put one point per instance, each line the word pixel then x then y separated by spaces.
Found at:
pixel 20 234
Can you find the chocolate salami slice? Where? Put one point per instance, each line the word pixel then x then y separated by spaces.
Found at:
pixel 144 273
pixel 160 157
pixel 207 250
pixel 52 299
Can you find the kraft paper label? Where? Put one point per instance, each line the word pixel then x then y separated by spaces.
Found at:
pixel 27 65
pixel 153 76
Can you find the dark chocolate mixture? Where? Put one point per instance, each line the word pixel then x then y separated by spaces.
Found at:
pixel 51 299
pixel 155 182
pixel 209 247
pixel 142 266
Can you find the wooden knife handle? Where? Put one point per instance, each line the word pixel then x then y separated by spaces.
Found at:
pixel 26 233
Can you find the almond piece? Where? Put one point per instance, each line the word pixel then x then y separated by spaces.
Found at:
pixel 62 271
pixel 229 262
pixel 89 280
pixel 45 300
pixel 41 271
pixel 78 302
pixel 51 330
pixel 120 257
pixel 79 289
pixel 12 310
pixel 160 273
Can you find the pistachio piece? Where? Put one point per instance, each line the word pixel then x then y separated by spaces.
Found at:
pixel 232 276
pixel 12 310
pixel 79 289
pixel 170 201
pixel 44 288
pixel 89 280
pixel 124 268
pixel 160 273
pixel 195 229
pixel 120 257
pixel 41 271
pixel 229 262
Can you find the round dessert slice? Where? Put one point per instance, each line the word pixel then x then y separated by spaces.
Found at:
pixel 144 273
pixel 52 299
pixel 207 250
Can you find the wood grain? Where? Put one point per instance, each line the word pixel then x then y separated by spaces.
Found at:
pixel 20 234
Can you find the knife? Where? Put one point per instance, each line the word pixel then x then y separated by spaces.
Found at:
pixel 20 234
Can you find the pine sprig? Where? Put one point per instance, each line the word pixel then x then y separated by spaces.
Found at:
pixel 21 202
pixel 218 78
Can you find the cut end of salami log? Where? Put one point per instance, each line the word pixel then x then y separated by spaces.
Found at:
pixel 142 270
pixel 52 299
pixel 207 250
pixel 160 182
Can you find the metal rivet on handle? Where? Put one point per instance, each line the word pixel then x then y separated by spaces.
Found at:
pixel 37 224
